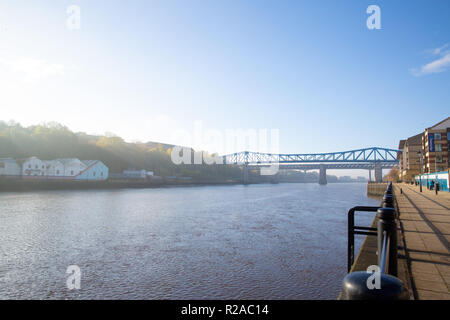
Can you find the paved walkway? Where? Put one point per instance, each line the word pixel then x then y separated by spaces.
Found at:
pixel 425 220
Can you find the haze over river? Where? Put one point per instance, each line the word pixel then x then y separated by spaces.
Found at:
pixel 266 241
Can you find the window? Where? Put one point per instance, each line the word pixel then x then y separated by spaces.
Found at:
pixel 42 166
pixel 438 158
pixel 93 174
pixel 71 173
pixel 101 173
pixel 36 166
pixel 438 147
pixel 57 171
pixel 29 166
pixel 437 136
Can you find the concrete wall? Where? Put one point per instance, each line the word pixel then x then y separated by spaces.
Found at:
pixel 376 189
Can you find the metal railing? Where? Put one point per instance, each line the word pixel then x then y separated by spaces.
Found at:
pixel 360 230
pixel 384 257
pixel 356 284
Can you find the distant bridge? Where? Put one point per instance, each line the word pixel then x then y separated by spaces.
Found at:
pixel 368 158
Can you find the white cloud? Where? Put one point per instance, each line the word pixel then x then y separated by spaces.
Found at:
pixel 33 69
pixel 437 66
pixel 439 50
pixel 440 65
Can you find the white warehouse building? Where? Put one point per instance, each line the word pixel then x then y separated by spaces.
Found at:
pixel 69 169
pixel 72 166
pixel 54 168
pixel 9 167
pixel 33 167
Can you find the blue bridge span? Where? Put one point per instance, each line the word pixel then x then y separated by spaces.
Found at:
pixel 374 158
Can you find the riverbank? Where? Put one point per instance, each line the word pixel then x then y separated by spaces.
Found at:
pixel 376 189
pixel 21 185
pixel 14 185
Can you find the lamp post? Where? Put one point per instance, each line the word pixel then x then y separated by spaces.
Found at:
pixel 421 161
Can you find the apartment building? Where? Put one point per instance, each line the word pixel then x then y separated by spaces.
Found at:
pixel 410 158
pixel 435 146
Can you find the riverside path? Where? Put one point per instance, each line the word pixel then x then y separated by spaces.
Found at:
pixel 425 223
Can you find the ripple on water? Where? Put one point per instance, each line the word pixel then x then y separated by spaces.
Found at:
pixel 285 241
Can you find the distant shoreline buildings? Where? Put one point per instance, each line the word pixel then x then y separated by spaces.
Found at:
pixel 57 169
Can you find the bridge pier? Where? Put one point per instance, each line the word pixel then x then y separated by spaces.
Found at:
pixel 370 175
pixel 322 175
pixel 245 174
pixel 378 173
pixel 275 178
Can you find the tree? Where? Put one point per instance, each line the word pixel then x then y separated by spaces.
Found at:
pixel 393 175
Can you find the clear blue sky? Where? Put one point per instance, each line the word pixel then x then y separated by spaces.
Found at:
pixel 311 69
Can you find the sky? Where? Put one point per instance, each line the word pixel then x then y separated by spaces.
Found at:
pixel 160 70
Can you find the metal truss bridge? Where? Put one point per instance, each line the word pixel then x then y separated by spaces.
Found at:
pixel 368 158
pixel 367 155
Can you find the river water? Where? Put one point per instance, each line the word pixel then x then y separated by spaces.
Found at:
pixel 267 241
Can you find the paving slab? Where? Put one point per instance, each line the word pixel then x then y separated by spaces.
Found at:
pixel 425 221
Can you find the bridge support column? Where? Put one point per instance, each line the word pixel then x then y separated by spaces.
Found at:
pixel 276 178
pixel 322 175
pixel 370 175
pixel 378 173
pixel 245 174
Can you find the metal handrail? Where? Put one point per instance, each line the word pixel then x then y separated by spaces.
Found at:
pixel 352 230
pixel 361 230
pixel 384 262
pixel 355 285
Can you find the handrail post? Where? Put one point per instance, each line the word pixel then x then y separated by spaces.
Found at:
pixel 387 223
pixel 388 201
pixel 355 285
pixel 351 239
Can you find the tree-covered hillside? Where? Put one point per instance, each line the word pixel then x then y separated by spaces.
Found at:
pixel 52 140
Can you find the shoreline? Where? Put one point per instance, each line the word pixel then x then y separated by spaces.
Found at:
pixel 19 185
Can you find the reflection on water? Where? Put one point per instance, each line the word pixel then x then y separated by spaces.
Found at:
pixel 285 241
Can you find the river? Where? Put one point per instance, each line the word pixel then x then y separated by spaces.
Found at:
pixel 266 241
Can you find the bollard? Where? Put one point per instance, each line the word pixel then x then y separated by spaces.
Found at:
pixel 401 190
pixel 354 287
pixel 388 201
pixel 386 222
